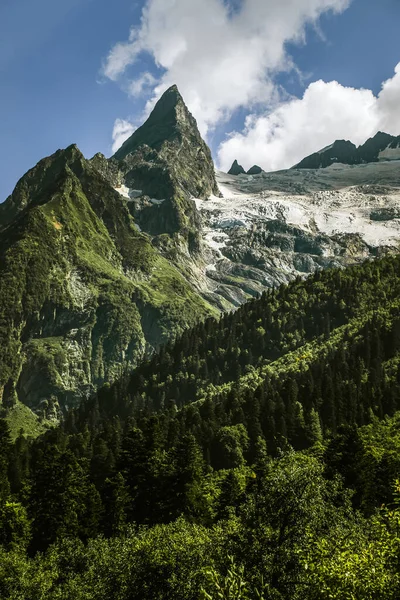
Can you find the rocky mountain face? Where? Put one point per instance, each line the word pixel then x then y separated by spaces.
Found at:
pixel 84 293
pixel 236 169
pixel 254 170
pixel 102 260
pixel 167 162
pixel 269 228
pixel 381 147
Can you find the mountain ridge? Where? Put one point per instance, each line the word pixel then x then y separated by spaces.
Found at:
pixel 172 129
pixel 345 152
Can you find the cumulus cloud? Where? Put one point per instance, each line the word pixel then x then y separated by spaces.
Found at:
pixel 220 59
pixel 299 127
pixel 122 130
pixel 224 54
pixel 120 56
pixel 389 102
pixel 142 84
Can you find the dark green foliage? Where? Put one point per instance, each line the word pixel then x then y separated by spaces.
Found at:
pixel 62 501
pixel 278 367
pixel 5 460
pixel 256 457
pixel 15 531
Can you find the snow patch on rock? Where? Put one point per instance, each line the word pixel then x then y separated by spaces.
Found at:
pixel 128 193
pixel 389 154
pixel 332 211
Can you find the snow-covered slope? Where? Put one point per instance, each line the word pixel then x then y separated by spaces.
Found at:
pixel 267 229
pixel 390 154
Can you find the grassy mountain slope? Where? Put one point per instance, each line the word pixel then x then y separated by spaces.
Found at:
pixel 82 291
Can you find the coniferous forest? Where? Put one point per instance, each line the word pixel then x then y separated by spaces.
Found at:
pixel 255 457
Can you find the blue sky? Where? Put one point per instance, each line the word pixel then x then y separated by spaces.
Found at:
pixel 54 91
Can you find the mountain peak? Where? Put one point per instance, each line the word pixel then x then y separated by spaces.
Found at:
pixel 236 169
pixel 44 177
pixel 169 117
pixel 167 156
pixel 382 135
pixel 255 170
pixel 341 151
pixel 170 99
pixel 171 92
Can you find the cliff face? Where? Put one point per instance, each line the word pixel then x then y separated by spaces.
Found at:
pixel 269 228
pixel 167 161
pixel 170 136
pixel 83 292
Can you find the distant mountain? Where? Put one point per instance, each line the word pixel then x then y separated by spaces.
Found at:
pixel 254 170
pixel 381 147
pixel 236 169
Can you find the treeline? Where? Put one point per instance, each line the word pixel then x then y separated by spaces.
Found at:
pixel 295 364
pixel 306 314
pixel 252 458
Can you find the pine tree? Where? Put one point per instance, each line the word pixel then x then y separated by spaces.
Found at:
pixel 5 453
pixel 116 505
pixel 188 471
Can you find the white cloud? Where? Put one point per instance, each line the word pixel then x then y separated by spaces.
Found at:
pixel 219 59
pixel 327 111
pixel 142 84
pixel 222 60
pixel 120 56
pixel 389 103
pixel 122 130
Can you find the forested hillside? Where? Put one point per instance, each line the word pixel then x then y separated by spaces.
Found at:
pixel 315 354
pixel 256 457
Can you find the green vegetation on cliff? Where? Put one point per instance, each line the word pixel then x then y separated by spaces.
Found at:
pixel 83 294
pixel 89 284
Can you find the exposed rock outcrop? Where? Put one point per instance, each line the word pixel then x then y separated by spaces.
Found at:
pixel 236 169
pixel 269 229
pixel 84 294
pixel 168 161
pixel 254 170
pixel 341 151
